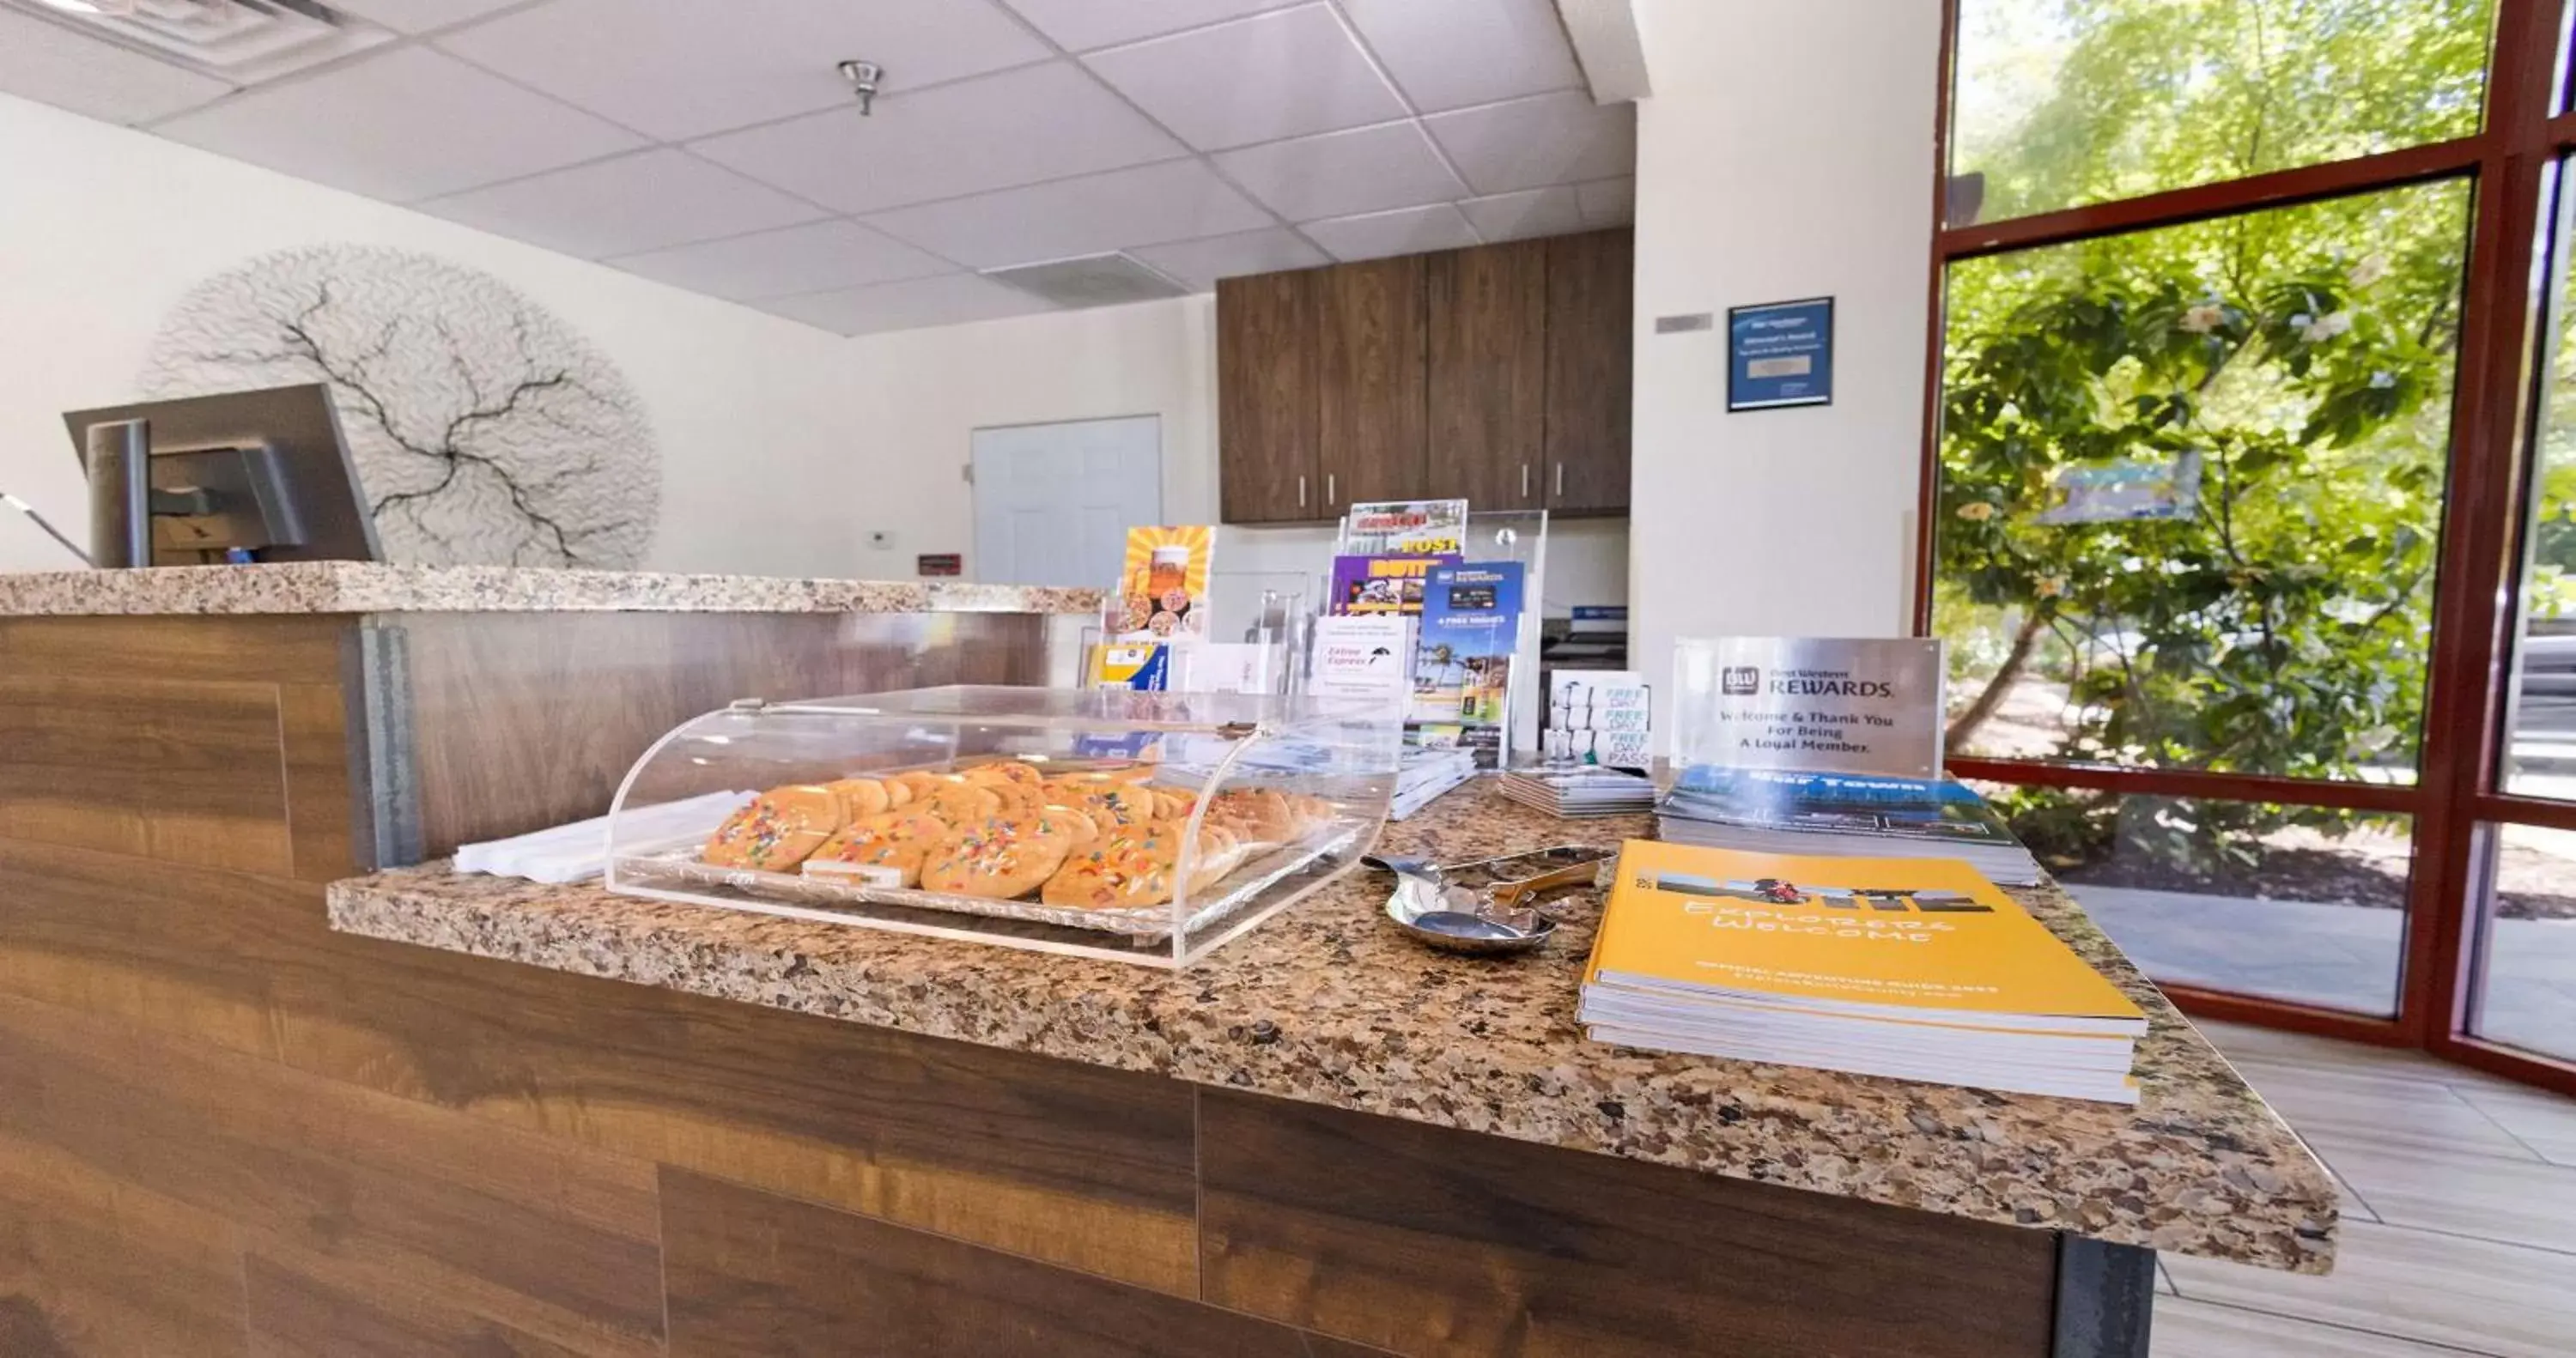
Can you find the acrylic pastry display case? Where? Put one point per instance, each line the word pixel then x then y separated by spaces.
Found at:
pixel 1142 827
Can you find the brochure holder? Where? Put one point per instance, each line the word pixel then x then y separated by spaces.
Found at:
pixel 1490 536
pixel 1518 535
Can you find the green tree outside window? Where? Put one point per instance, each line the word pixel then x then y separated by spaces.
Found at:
pixel 2302 358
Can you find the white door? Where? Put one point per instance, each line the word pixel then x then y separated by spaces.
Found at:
pixel 1053 502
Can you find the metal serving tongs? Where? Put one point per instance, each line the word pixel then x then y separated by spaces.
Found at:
pixel 1496 905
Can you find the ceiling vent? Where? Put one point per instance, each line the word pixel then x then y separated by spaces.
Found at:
pixel 1091 280
pixel 242 41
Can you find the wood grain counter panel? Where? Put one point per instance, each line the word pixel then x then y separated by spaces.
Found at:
pixel 536 1233
pixel 183 771
pixel 1432 1241
pixel 1075 1164
pixel 316 1308
pixel 753 1275
pixel 94 1267
pixel 268 650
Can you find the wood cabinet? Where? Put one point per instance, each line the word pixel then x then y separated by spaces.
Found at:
pixel 1499 373
pixel 1590 332
pixel 1266 406
pixel 1487 314
pixel 1369 366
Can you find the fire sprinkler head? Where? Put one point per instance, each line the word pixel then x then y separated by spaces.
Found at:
pixel 863 77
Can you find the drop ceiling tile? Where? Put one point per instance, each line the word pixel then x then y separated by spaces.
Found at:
pixel 1406 231
pixel 1200 263
pixel 51 64
pixel 1080 25
pixel 1340 174
pixel 616 207
pixel 1453 53
pixel 403 125
pixel 686 68
pixel 1545 139
pixel 1551 211
pixel 1282 74
pixel 948 299
pixel 810 258
pixel 1000 131
pixel 1608 202
pixel 420 16
pixel 1149 205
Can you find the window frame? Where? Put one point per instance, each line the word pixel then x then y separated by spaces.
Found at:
pixel 2511 165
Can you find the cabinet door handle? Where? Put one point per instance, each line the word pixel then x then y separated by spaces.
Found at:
pixel 1301 490
pixel 1524 480
pixel 1328 490
pixel 1560 481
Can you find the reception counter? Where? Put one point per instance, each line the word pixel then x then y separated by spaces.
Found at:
pixel 257 1108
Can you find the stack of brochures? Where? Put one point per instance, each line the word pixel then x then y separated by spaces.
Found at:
pixel 1580 791
pixel 1426 773
pixel 1786 811
pixel 1913 969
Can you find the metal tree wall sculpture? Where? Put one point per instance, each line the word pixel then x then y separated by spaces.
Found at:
pixel 485 430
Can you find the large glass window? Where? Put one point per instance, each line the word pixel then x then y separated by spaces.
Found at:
pixel 2297 903
pixel 2539 756
pixel 2191 486
pixel 2240 361
pixel 2527 971
pixel 2061 103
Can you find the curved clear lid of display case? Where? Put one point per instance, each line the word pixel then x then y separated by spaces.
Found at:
pixel 1146 827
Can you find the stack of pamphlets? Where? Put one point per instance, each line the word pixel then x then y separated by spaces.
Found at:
pixel 1788 811
pixel 1574 793
pixel 1598 717
pixel 1426 773
pixel 1913 969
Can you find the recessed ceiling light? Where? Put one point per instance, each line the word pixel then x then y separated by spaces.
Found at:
pixel 76 6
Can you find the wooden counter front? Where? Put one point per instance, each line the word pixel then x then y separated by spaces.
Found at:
pixel 227 1129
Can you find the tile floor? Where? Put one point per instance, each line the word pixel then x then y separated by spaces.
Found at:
pixel 2459 1227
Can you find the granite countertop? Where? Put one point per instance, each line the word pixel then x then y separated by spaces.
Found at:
pixel 367 587
pixel 1326 1002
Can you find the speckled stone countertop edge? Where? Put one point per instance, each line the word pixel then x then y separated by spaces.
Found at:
pixel 1325 1004
pixel 321 587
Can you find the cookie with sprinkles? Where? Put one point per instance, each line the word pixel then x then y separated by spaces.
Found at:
pixel 1008 771
pixel 999 858
pixel 897 841
pixel 777 830
pixel 863 796
pixel 1133 867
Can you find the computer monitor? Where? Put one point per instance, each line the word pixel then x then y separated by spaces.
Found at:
pixel 258 475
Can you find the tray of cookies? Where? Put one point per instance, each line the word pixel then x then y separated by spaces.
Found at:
pixel 1130 826
pixel 1102 847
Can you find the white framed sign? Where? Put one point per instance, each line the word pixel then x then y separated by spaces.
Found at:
pixel 1821 704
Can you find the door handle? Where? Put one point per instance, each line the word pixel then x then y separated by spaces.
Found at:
pixel 1524 480
pixel 1560 481
pixel 1301 490
pixel 1329 500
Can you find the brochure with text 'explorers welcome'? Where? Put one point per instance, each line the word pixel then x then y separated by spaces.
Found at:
pixel 1911 968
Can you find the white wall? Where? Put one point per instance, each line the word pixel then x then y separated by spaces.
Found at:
pixel 1786 153
pixel 102 229
pixel 919 395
